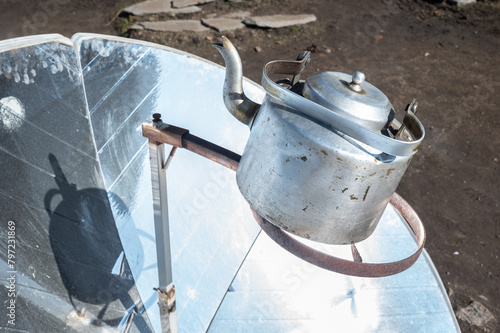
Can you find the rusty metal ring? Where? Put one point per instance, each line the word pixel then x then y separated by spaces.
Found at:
pixel 349 267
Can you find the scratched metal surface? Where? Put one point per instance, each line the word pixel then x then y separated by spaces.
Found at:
pixel 211 226
pixel 67 253
pixel 276 292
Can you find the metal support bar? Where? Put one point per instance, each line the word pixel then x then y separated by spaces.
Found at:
pixel 181 138
pixel 166 290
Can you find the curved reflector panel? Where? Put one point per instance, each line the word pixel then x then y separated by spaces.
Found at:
pixel 64 259
pixel 211 226
pixel 76 185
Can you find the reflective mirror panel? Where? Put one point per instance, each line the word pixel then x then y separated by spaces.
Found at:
pixel 75 181
pixel 59 250
pixel 211 226
pixel 275 291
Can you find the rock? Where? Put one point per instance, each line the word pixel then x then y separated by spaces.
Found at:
pixel 475 314
pixel 258 49
pixel 158 7
pixel 279 21
pixel 461 2
pixel 223 24
pixel 238 15
pixel 175 26
pixel 187 3
pixel 137 27
pixel 451 292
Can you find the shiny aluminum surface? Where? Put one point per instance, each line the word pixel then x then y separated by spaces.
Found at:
pixel 126 82
pixel 67 256
pixel 212 227
pixel 275 291
pixel 267 290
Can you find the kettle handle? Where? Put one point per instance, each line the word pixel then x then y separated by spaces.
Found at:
pixel 48 199
pixel 337 122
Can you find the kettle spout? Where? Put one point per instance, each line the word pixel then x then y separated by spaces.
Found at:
pixel 240 106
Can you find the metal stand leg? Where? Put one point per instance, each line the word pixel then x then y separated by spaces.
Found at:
pixel 166 289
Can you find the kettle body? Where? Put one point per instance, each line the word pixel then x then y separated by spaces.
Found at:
pixel 324 155
pixel 314 182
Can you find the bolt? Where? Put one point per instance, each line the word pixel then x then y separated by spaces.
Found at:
pixel 302 55
pixel 156 117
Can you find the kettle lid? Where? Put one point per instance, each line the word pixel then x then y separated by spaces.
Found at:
pixel 351 97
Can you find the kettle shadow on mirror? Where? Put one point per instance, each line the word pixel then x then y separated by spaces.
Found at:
pixel 88 252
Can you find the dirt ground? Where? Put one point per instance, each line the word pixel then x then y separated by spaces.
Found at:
pixel 447 58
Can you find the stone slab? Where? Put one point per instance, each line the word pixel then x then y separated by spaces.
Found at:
pixel 187 3
pixel 238 15
pixel 223 24
pixel 136 27
pixel 475 314
pixel 158 7
pixel 279 21
pixel 175 26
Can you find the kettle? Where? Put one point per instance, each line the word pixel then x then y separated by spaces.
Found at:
pixel 324 155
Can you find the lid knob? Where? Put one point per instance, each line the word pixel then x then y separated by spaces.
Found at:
pixel 357 79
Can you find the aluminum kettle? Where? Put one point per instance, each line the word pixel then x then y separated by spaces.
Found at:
pixel 324 155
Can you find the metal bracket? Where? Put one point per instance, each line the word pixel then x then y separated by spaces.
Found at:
pixel 181 138
pixel 168 310
pixel 160 132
